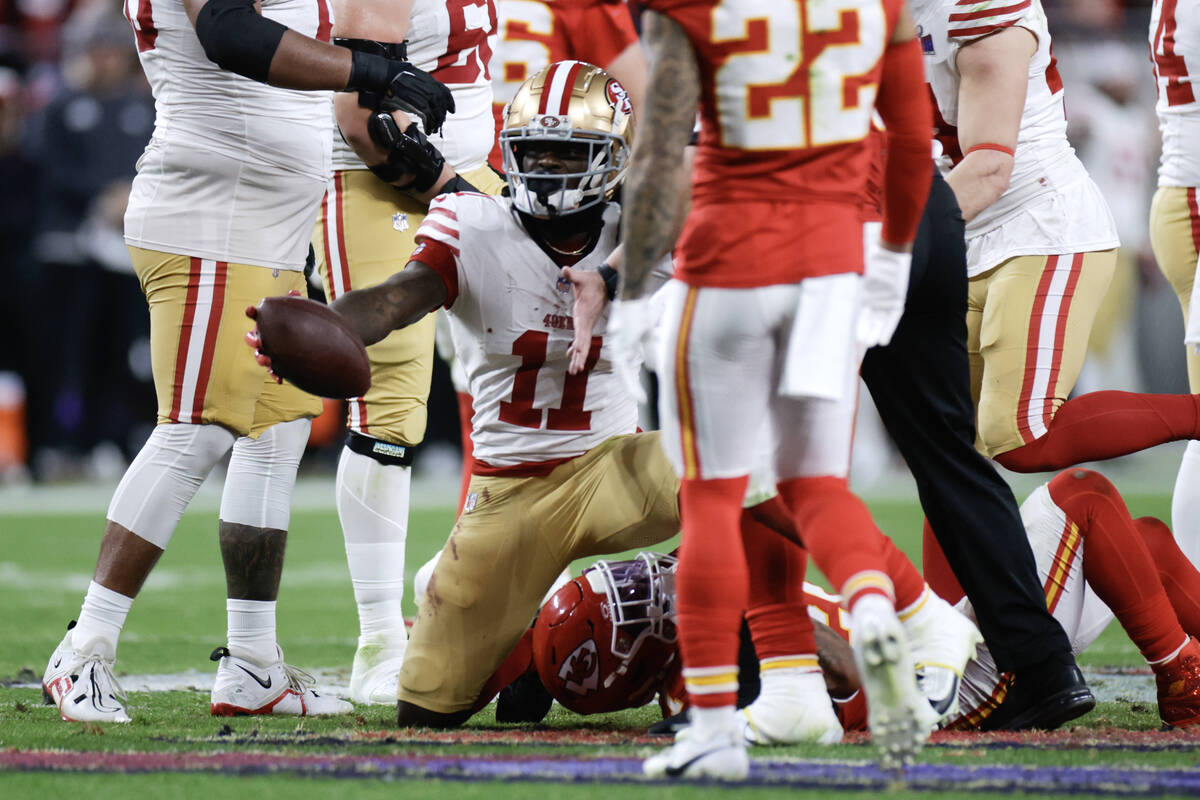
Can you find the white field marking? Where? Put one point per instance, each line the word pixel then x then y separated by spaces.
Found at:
pixel 329 681
pixel 315 493
pixel 1107 686
pixel 15 576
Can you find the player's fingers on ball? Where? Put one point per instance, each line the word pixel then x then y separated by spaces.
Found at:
pixel 252 312
pixel 253 339
pixel 294 293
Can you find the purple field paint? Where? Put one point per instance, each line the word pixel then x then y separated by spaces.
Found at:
pixel 797 773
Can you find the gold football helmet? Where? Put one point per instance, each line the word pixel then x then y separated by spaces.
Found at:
pixel 573 103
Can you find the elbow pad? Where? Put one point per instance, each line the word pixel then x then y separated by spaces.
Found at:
pixel 237 38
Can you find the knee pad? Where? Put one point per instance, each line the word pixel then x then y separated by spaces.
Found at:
pixel 164 478
pixel 262 472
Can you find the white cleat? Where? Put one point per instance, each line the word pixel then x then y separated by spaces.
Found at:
pixel 375 675
pixel 243 688
pixel 942 642
pixel 898 715
pixel 791 713
pixel 81 684
pixel 719 753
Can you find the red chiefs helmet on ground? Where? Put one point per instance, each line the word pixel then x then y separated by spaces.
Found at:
pixel 607 639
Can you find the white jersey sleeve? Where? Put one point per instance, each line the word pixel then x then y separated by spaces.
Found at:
pixel 1051 206
pixel 235 169
pixel 451 40
pixel 1175 53
pixel 510 313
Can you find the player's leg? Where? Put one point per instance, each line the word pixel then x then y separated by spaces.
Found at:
pixel 717 357
pixel 921 384
pixel 792 705
pixel 814 433
pixel 189 309
pixel 474 612
pixel 1178 679
pixel 1175 237
pixel 1033 341
pixel 363 235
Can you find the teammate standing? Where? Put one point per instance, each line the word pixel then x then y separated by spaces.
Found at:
pixel 220 216
pixel 367 220
pixel 763 314
pixel 1040 245
pixel 1175 215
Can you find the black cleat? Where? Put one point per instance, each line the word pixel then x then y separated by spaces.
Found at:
pixel 1043 698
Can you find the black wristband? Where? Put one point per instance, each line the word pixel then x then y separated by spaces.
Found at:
pixel 370 76
pixel 612 280
pixel 456 184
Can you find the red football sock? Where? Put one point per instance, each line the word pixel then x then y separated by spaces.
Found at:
pixel 1179 577
pixel 514 666
pixel 712 586
pixel 839 534
pixel 1101 425
pixel 775 514
pixel 466 410
pixel 937 570
pixel 1116 563
pixel 907 581
pixel 776 612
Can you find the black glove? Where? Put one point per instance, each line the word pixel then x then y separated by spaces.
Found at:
pixel 408 152
pixel 385 84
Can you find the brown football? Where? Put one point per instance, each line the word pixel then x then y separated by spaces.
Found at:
pixel 311 346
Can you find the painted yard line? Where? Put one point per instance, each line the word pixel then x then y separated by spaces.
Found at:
pixel 799 773
pixel 1107 686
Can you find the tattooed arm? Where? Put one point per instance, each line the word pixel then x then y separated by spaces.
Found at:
pixel 656 189
pixel 399 301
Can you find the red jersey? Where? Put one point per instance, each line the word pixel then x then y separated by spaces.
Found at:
pixel 787 92
pixel 534 33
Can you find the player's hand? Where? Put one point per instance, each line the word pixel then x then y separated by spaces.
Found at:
pixel 254 341
pixel 590 299
pixel 415 91
pixel 629 325
pixel 885 286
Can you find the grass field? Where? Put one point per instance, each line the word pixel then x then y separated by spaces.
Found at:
pixel 173 748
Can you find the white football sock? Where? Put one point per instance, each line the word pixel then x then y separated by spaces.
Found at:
pixel 708 721
pixel 1185 504
pixel 100 620
pixel 372 504
pixel 252 630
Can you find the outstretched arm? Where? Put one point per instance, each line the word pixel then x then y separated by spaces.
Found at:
pixel 657 183
pixel 994 74
pixel 401 300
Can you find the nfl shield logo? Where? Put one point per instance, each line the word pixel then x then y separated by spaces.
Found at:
pixel 400 221
pixel 562 284
pixel 469 505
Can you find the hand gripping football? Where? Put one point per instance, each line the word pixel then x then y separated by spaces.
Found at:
pixel 311 346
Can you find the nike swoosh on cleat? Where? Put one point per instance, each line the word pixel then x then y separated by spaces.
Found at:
pixel 265 684
pixel 675 772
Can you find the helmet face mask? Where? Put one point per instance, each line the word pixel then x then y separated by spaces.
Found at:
pixel 592 116
pixel 607 639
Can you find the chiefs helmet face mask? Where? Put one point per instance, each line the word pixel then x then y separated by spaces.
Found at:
pixel 567 103
pixel 607 639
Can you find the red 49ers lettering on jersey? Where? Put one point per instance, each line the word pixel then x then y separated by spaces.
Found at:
pixel 787 93
pixel 510 317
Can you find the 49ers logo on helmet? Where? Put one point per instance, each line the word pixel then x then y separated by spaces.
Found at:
pixel 580 671
pixel 618 98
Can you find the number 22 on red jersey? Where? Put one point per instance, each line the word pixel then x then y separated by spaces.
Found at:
pixel 796 75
